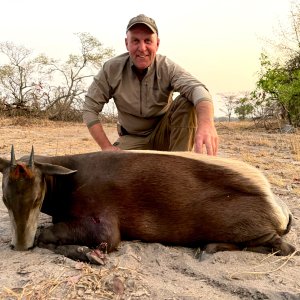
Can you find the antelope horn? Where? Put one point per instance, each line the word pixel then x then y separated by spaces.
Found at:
pixel 13 162
pixel 31 158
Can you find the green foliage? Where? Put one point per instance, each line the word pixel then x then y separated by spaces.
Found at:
pixel 279 88
pixel 243 108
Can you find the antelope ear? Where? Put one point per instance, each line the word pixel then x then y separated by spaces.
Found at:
pixel 50 169
pixel 4 164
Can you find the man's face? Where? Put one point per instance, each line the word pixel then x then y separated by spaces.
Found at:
pixel 142 45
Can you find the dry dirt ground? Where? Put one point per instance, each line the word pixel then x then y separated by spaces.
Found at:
pixel 154 271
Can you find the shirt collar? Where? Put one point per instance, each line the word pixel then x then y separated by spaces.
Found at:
pixel 145 71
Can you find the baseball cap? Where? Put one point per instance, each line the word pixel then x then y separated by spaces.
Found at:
pixel 142 19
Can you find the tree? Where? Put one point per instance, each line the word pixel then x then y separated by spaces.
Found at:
pixel 278 91
pixel 19 78
pixel 279 79
pixel 66 96
pixel 51 86
pixel 243 108
pixel 229 102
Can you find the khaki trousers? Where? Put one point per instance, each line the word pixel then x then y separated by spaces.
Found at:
pixel 174 132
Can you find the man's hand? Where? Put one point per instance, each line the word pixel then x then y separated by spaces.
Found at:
pixel 97 132
pixel 111 148
pixel 206 133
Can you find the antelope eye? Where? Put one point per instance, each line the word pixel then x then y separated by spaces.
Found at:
pixel 36 202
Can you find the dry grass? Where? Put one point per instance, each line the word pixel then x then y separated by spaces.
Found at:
pixel 30 122
pixel 264 267
pixel 47 137
pixel 274 153
pixel 295 147
pixel 83 282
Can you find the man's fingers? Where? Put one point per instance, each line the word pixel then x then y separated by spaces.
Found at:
pixel 209 149
pixel 211 146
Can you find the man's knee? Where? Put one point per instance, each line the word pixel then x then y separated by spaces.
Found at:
pixel 183 112
pixel 182 102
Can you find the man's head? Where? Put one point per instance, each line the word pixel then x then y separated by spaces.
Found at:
pixel 142 41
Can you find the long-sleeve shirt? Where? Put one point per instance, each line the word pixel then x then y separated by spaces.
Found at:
pixel 140 103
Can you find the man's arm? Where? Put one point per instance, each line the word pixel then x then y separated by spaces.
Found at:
pixel 97 96
pixel 99 135
pixel 196 92
pixel 206 133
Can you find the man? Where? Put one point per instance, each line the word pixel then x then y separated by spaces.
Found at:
pixel 142 83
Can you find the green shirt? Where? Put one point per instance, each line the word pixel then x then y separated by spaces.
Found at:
pixel 140 104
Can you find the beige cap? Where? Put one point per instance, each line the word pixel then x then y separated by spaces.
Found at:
pixel 142 19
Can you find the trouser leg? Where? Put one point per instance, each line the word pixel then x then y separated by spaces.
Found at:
pixel 132 142
pixel 176 130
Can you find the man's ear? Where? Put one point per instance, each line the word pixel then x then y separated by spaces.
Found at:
pixel 126 43
pixel 158 42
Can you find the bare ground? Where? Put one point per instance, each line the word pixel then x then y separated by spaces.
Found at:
pixel 154 271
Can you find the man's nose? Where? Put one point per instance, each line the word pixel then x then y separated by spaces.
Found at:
pixel 142 46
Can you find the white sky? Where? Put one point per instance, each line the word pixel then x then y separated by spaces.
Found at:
pixel 218 41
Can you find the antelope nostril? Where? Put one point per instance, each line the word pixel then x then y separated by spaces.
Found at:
pixel 18 248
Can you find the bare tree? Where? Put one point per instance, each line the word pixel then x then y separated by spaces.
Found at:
pixel 71 77
pixel 229 102
pixel 49 85
pixel 20 78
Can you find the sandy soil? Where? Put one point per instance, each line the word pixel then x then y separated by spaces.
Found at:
pixel 154 271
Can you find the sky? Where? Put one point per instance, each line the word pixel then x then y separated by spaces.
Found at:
pixel 218 41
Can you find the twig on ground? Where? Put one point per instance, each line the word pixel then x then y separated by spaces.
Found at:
pixel 285 258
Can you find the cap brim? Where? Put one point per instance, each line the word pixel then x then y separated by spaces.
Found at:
pixel 149 26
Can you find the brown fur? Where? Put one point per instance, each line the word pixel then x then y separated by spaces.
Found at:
pixel 172 198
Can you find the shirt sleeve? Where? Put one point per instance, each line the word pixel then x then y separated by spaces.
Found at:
pixel 97 95
pixel 187 85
